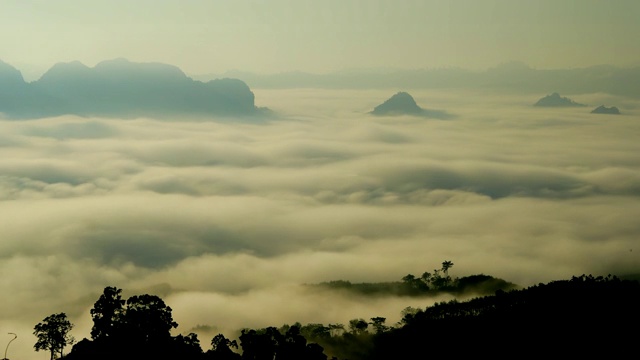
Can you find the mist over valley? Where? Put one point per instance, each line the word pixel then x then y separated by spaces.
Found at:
pixel 296 179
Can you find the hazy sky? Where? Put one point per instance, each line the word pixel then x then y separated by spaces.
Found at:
pixel 212 36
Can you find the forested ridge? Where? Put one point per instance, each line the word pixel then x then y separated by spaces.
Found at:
pixel 584 315
pixel 429 283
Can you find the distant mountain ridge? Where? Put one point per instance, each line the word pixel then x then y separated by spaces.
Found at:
pixel 120 88
pixel 511 76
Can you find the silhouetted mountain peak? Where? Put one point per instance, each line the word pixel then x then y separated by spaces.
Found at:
pixel 65 70
pixel 69 66
pixel 399 104
pixel 555 100
pixel 122 68
pixel 606 110
pixel 9 74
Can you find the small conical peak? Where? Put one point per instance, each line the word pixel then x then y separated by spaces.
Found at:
pixel 404 97
pixel 400 103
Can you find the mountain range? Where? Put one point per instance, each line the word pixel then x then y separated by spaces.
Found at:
pixel 121 88
pixel 511 76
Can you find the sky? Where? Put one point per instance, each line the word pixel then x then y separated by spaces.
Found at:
pixel 226 220
pixel 213 36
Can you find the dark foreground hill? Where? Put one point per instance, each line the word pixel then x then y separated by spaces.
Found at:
pixel 120 88
pixel 579 318
pixel 583 317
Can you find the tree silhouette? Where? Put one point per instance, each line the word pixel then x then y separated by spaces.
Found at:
pixel 336 329
pixel 378 324
pixel 221 343
pixel 358 326
pixel 107 313
pixel 413 284
pixel 148 319
pixel 426 277
pixel 139 327
pixel 187 346
pixel 53 334
pixel 221 348
pixel 409 278
pixel 259 345
pixel 446 265
pixel 286 343
pixel 408 314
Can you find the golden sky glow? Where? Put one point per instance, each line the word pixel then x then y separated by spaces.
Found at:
pixel 320 36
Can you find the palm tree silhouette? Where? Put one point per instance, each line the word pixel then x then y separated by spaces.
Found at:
pixel 446 265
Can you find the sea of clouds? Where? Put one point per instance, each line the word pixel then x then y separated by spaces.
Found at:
pixel 225 220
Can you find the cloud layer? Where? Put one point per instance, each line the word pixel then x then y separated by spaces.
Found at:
pixel 225 220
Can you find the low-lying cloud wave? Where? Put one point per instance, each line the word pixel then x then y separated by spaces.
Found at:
pixel 227 220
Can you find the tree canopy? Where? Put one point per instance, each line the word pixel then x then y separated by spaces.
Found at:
pixel 107 313
pixel 53 334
